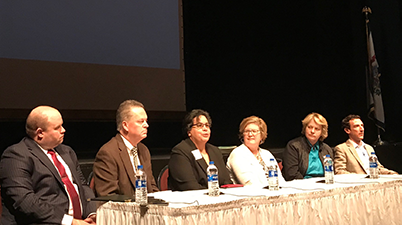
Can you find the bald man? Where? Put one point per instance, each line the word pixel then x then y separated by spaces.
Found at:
pixel 41 180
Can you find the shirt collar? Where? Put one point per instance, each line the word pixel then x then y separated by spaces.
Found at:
pixel 44 150
pixel 356 145
pixel 127 143
pixel 316 146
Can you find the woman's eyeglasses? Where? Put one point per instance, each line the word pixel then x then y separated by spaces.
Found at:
pixel 253 132
pixel 201 125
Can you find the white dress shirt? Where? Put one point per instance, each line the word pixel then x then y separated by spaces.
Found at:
pixel 129 147
pixel 363 155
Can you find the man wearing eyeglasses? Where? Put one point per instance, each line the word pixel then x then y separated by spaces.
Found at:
pixel 117 160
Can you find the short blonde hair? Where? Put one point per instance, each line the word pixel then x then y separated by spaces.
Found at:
pixel 259 122
pixel 320 120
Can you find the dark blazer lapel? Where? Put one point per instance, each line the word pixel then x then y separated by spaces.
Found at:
pixel 40 155
pixel 76 178
pixel 67 159
pixel 305 156
pixel 125 158
pixel 200 162
pixel 212 157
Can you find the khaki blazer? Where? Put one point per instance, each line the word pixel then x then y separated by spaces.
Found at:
pixel 348 161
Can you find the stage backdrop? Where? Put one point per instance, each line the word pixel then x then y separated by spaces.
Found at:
pixel 281 60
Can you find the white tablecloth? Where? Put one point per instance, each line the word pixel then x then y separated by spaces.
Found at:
pixel 351 200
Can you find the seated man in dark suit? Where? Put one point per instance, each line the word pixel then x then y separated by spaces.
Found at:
pixel 41 180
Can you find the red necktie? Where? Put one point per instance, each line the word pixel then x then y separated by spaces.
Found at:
pixel 75 199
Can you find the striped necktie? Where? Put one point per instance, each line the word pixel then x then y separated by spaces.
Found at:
pixel 134 153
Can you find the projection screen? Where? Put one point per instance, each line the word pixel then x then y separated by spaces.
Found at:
pixel 91 55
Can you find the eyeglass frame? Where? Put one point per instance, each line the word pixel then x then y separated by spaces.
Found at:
pixel 253 132
pixel 201 125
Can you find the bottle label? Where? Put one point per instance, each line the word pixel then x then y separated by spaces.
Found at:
pixel 213 177
pixel 140 184
pixel 373 164
pixel 273 173
pixel 329 168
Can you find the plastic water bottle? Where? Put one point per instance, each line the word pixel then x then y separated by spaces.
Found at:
pixel 329 169
pixel 213 182
pixel 141 186
pixel 373 161
pixel 273 181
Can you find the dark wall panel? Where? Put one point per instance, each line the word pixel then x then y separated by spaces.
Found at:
pixel 28 83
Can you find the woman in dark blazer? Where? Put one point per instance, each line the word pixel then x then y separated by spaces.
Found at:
pixel 304 156
pixel 190 158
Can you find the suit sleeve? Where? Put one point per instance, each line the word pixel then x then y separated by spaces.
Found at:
pixel 291 163
pixel 384 170
pixel 18 192
pixel 105 174
pixel 181 171
pixel 340 161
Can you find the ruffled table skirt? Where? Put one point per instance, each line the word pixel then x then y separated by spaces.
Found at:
pixel 378 203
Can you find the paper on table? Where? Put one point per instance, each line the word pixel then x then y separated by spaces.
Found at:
pixel 391 176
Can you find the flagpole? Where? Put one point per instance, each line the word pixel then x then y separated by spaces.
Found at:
pixel 366 10
pixel 379 141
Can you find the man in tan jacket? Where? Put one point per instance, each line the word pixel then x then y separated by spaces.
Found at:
pixel 353 155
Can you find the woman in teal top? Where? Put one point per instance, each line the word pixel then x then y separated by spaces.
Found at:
pixel 304 156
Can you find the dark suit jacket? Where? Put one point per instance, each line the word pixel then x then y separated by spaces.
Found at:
pixel 296 157
pixel 187 173
pixel 113 170
pixel 31 188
